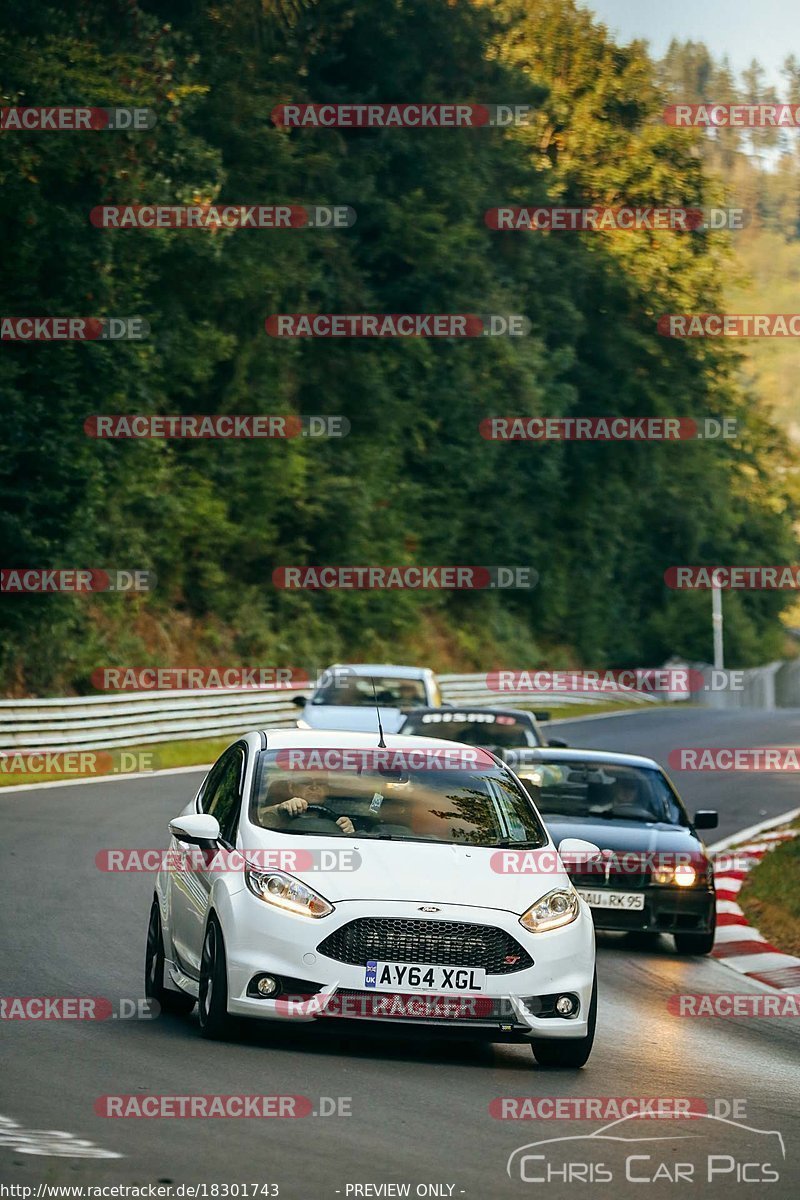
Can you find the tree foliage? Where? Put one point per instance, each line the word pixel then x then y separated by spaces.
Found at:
pixel 413 482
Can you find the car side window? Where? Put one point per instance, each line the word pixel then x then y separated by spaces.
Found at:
pixel 675 811
pixel 223 796
pixel 209 784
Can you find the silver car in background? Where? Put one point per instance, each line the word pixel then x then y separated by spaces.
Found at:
pixel 344 698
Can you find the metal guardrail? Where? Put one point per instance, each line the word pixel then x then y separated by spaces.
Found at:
pixel 137 718
pixel 775 685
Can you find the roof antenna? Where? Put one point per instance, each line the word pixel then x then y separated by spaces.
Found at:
pixel 381 743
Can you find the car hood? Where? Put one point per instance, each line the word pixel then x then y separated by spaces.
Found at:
pixel 631 836
pixel 418 871
pixel 344 716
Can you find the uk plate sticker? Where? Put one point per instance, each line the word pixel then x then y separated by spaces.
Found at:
pixel 371 974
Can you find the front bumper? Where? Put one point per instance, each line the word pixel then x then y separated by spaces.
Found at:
pixel 261 939
pixel 666 910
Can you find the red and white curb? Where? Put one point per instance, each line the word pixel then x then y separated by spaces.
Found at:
pixel 738 944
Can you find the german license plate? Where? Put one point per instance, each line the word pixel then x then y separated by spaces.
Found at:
pixel 419 977
pixel 601 899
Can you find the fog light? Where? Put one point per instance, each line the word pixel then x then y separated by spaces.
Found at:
pixel 565 1006
pixel 267 986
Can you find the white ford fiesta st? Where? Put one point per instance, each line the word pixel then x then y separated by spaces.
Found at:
pixel 324 875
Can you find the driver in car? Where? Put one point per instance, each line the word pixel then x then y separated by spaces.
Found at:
pixel 408 694
pixel 628 795
pixel 304 792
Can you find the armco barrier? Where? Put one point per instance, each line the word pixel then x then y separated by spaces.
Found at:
pixel 775 685
pixel 136 718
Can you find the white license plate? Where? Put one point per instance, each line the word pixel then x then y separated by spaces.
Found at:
pixel 599 899
pixel 419 977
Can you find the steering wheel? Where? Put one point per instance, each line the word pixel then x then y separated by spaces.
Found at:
pixel 321 810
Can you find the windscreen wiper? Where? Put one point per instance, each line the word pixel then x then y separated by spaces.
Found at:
pixel 529 843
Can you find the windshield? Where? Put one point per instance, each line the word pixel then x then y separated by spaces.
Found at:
pixel 574 789
pixel 472 728
pixel 356 691
pixel 480 806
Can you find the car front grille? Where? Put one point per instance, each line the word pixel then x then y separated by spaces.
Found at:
pixel 616 882
pixel 434 943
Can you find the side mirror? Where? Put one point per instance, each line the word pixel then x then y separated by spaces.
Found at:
pixel 574 852
pixel 299 701
pixel 706 818
pixel 196 829
pixel 559 743
pixel 542 716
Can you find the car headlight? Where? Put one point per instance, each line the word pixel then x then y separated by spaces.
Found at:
pixel 284 891
pixel 682 875
pixel 557 908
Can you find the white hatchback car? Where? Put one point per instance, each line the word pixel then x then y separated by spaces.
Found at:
pixel 324 875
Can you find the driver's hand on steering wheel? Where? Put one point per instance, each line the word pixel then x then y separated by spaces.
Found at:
pixel 293 807
pixel 346 825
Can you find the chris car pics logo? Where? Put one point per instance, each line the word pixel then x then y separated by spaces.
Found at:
pixel 713 1149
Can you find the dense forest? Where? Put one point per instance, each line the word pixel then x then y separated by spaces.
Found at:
pixel 413 482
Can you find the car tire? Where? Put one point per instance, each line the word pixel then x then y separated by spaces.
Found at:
pixel 167 999
pixel 212 1003
pixel 694 943
pixel 568 1052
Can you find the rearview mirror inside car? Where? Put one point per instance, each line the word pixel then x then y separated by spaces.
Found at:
pixel 558 743
pixel 706 818
pixel 196 829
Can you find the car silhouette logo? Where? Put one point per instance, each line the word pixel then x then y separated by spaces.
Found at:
pixel 603 1135
pixel 429 908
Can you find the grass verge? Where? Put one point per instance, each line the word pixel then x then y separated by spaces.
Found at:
pixel 770 897
pixel 112 763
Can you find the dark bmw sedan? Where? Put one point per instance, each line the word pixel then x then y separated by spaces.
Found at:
pixel 655 875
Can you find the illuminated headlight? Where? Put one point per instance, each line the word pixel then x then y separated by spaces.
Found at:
pixel 275 887
pixel 682 875
pixel 557 908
